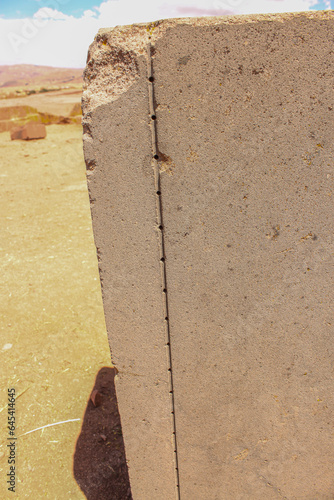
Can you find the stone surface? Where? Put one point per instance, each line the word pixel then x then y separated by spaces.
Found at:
pixel 29 132
pixel 121 185
pixel 244 122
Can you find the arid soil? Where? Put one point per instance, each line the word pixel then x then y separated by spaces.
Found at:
pixel 53 342
pixel 56 102
pixel 31 76
pixel 40 94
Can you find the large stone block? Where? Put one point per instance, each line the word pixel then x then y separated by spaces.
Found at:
pixel 209 151
pixel 28 132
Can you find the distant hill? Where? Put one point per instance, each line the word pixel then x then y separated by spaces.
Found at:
pixel 20 75
pixel 39 93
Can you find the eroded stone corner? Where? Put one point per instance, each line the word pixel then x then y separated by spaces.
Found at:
pixel 112 64
pixel 112 68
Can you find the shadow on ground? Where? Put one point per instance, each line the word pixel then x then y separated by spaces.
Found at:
pixel 100 467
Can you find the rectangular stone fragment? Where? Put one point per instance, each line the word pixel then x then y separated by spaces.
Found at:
pixel 216 255
pixel 28 132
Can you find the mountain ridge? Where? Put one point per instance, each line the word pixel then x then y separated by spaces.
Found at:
pixel 20 75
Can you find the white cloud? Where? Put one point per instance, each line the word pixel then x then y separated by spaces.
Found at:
pixel 276 6
pixel 89 13
pixel 53 38
pixel 184 8
pixel 48 13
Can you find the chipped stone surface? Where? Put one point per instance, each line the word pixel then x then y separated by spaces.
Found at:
pixel 28 132
pixel 244 121
pixel 112 57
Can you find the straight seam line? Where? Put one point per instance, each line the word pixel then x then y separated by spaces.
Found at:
pixel 155 161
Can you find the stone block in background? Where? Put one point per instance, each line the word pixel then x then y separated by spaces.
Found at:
pixel 29 132
pixel 210 170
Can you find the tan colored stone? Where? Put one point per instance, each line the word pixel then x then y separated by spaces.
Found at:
pixel 244 120
pixel 15 133
pixel 29 132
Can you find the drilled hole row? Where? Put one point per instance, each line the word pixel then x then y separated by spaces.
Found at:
pixel 166 319
pixel 162 259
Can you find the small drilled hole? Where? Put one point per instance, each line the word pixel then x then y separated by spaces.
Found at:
pixel 156 157
pixel 162 259
pixel 153 117
pixel 166 319
pixel 151 79
pixel 159 193
pixel 164 290
pixel 161 228
pixel 169 369
pixel 168 344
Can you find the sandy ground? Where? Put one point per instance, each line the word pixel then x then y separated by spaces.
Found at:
pixel 58 102
pixel 52 333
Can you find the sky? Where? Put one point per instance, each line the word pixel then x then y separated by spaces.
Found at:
pixel 59 32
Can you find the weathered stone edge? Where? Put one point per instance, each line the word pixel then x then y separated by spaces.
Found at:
pixel 111 62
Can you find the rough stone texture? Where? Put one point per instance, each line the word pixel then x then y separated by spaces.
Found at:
pixel 244 109
pixel 29 132
pixel 122 194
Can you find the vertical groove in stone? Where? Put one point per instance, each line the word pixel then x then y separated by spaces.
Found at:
pixel 155 159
